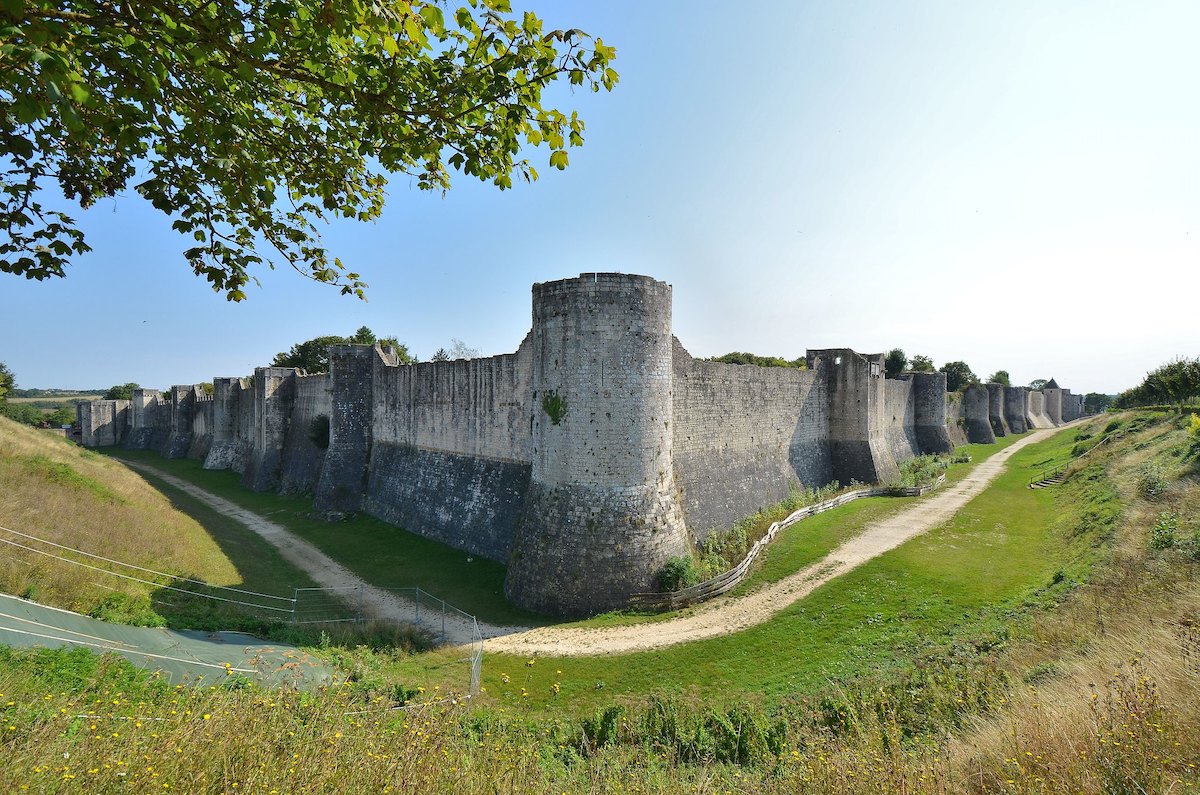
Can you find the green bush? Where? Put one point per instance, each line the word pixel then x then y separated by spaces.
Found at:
pixel 920 471
pixel 1163 534
pixel 1151 482
pixel 724 549
pixel 678 573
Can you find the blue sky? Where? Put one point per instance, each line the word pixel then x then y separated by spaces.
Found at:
pixel 1016 185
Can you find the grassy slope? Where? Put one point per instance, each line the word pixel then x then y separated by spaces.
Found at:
pixel 54 490
pixel 958 580
pixel 376 551
pixel 1095 723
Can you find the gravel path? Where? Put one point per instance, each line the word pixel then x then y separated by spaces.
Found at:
pixel 728 615
pixel 711 619
pixel 376 602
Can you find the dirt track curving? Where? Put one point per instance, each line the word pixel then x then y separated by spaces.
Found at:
pixel 725 616
pixel 712 619
pixel 376 602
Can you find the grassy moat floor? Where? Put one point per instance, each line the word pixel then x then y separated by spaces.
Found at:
pixel 1041 641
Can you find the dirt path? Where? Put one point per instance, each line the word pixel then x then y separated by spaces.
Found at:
pixel 711 619
pixel 376 602
pixel 725 616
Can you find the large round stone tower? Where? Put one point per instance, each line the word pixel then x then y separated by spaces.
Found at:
pixel 601 514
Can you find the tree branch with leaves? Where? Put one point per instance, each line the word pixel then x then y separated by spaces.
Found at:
pixel 249 124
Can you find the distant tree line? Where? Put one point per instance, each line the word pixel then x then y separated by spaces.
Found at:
pixel 1175 383
pixel 312 355
pixel 742 357
pixel 26 413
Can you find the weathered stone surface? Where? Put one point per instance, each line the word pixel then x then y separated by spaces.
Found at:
pixel 102 423
pixel 343 482
pixel 468 502
pixel 858 447
pixel 1036 416
pixel 180 407
pixel 300 464
pixel 1053 400
pixel 147 430
pixel 900 413
pixel 975 410
pixel 929 399
pixel 602 515
pixel 743 437
pixel 587 458
pixel 224 449
pixel 1016 408
pixel 996 413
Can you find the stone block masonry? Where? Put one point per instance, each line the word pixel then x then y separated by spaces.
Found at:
pixel 585 460
pixel 602 514
pixel 976 410
pixel 996 410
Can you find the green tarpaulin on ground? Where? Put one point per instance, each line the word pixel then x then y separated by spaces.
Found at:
pixel 181 655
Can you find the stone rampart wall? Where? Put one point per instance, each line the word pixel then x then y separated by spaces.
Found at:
pixel 474 407
pixel 1035 414
pixel 304 442
pixel 996 410
pixel 202 424
pixel 586 459
pixel 976 411
pixel 900 414
pixel 956 419
pixel 744 436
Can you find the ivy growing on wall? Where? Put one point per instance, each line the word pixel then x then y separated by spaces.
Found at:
pixel 554 406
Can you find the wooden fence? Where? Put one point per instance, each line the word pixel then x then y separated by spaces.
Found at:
pixel 728 580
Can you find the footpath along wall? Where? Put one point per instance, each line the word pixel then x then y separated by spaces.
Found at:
pixel 584 460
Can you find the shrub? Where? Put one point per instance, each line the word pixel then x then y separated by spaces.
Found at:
pixel 554 406
pixel 920 471
pixel 678 573
pixel 1151 482
pixel 1162 535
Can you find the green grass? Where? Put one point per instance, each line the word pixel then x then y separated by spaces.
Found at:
pixel 260 565
pixel 812 539
pixel 388 556
pixel 942 706
pixel 59 473
pixel 380 553
pixel 962 582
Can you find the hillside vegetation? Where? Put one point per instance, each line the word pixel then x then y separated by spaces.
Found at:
pixel 1044 641
pixel 58 492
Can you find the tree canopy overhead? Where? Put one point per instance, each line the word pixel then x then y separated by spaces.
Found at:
pixel 958 375
pixel 742 357
pixel 313 355
pixel 921 364
pixel 250 123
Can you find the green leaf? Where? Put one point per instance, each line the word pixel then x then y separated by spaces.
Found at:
pixel 558 159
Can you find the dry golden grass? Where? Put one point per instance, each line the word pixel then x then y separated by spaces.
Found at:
pixel 51 489
pixel 1110 704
